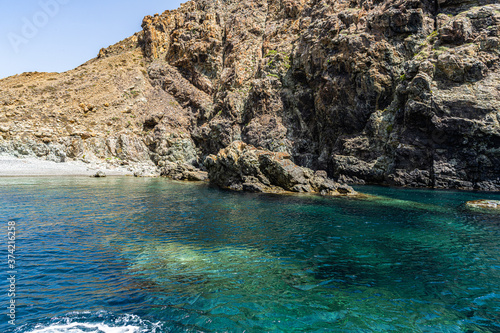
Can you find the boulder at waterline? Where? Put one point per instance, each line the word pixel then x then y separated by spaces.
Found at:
pixel 183 171
pixel 243 167
pixel 99 174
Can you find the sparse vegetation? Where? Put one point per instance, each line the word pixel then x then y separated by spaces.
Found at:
pixel 271 53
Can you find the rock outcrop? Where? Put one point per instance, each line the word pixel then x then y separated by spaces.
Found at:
pixel 243 167
pixel 403 93
pixel 107 113
pixel 385 92
pixel 182 171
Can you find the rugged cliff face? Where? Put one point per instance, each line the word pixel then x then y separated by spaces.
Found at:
pixel 387 92
pixel 106 111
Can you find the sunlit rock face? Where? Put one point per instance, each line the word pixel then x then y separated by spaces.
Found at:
pixel 244 167
pixel 388 92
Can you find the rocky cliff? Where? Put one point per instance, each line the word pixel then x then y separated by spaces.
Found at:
pixel 401 92
pixel 244 167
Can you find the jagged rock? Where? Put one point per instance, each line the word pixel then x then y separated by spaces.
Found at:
pixel 171 147
pixel 182 171
pixel 484 204
pixel 243 167
pixel 379 92
pixel 145 170
pixel 99 174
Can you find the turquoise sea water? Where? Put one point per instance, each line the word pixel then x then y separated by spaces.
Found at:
pixel 127 255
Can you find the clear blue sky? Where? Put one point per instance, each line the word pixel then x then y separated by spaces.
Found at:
pixel 58 35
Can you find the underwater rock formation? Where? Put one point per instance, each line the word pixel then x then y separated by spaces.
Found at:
pixel 484 204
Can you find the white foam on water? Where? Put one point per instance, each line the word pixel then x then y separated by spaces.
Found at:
pixel 100 322
pixel 86 328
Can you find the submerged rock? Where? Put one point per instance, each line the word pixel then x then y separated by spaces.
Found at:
pixel 243 167
pixel 484 204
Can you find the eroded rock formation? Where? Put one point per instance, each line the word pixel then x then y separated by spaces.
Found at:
pixel 243 167
pixel 400 92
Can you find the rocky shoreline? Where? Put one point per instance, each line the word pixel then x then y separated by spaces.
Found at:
pixel 237 167
pixel 391 93
pixel 242 167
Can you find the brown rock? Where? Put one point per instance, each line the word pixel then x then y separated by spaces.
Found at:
pixel 244 167
pixel 384 92
pixel 182 171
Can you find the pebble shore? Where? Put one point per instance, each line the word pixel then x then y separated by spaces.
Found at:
pixel 12 167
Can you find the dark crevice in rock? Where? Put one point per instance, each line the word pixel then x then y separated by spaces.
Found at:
pixel 384 92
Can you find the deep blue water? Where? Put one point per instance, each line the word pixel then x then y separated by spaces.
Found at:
pixel 151 255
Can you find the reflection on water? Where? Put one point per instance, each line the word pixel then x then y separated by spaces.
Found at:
pixel 183 257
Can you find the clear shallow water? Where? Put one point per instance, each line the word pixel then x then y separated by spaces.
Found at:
pixel 127 255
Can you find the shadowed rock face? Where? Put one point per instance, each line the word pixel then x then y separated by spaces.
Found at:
pixel 388 92
pixel 244 167
pixel 401 92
